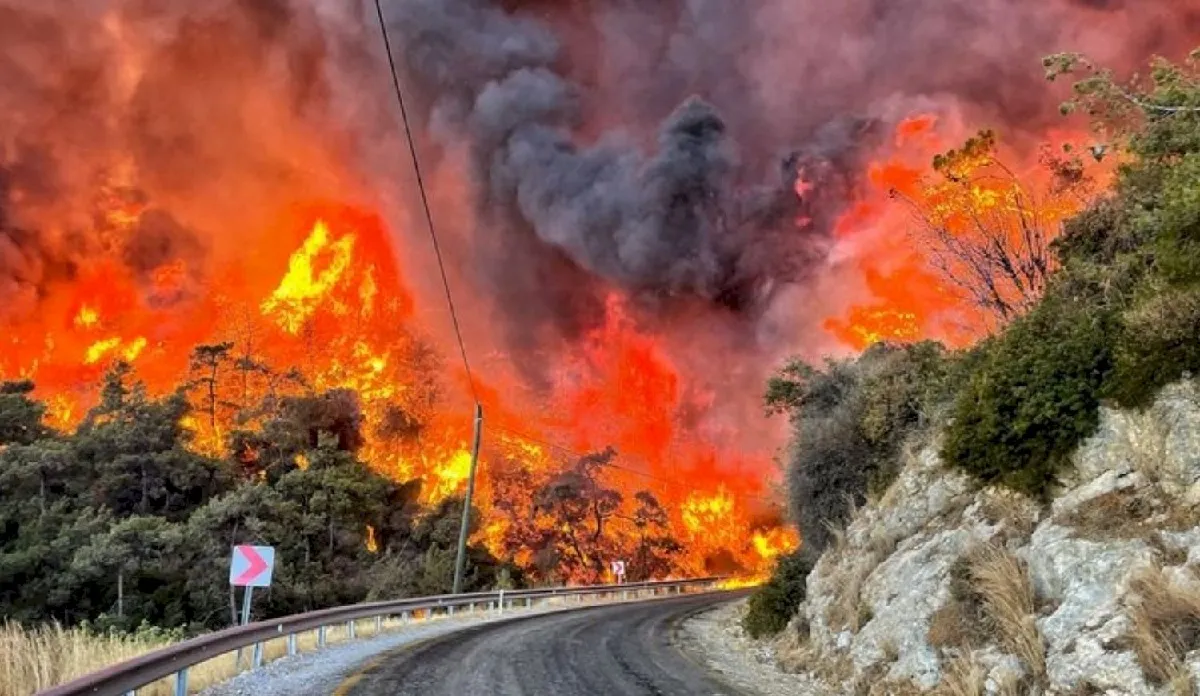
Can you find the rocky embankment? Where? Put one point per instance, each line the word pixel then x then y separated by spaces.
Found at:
pixel 941 586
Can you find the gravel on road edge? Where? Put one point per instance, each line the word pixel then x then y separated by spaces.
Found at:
pixel 715 637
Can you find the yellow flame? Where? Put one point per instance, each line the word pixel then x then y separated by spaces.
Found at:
pixel 451 474
pixel 60 411
pixel 372 543
pixel 301 461
pixel 133 349
pixel 739 583
pixel 303 286
pixel 97 351
pixel 774 542
pixel 87 317
pixel 703 513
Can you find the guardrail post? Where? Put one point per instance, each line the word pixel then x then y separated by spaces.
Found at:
pixel 181 682
pixel 291 644
pixel 500 604
pixel 351 633
pixel 450 610
pixel 378 625
pixel 258 655
pixel 404 617
pixel 321 637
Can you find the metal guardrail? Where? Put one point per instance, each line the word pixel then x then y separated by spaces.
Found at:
pixel 125 678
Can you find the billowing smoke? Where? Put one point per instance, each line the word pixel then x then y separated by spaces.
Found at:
pixel 655 146
pixel 684 216
pixel 692 156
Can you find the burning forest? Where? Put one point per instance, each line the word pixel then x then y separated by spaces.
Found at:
pixel 642 208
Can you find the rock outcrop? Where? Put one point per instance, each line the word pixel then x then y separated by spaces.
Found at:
pixel 943 585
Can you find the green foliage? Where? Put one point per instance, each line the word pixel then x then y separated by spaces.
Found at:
pixel 121 525
pixel 773 605
pixel 1034 398
pixel 850 421
pixel 1157 345
pixel 20 416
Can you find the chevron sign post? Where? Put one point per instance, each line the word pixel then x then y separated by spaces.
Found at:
pixel 252 566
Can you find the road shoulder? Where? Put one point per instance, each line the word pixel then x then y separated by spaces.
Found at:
pixel 715 639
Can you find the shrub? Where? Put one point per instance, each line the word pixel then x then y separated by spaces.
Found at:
pixel 1157 345
pixel 1034 398
pixel 850 420
pixel 775 603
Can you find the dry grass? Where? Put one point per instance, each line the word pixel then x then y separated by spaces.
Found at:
pixel 991 600
pixel 37 658
pixel 1165 620
pixel 1128 514
pixel 848 610
pixel 1018 513
pixel 1002 582
pixel 964 676
pixel 1182 684
pixel 1147 436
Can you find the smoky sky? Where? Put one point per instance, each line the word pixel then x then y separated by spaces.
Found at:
pixel 648 146
pixel 654 146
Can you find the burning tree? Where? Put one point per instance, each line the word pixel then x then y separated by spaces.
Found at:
pixel 579 507
pixel 987 231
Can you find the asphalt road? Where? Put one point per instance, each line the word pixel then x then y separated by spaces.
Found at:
pixel 602 651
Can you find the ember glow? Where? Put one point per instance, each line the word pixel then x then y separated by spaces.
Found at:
pixel 631 261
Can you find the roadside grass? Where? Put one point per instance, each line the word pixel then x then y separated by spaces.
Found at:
pixel 1002 580
pixel 1166 627
pixel 35 658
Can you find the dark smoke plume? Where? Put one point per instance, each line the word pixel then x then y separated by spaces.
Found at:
pixel 684 216
pixel 745 94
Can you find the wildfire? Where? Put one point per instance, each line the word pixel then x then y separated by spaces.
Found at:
pixel 339 312
pixel 906 298
pixel 312 272
pixel 87 318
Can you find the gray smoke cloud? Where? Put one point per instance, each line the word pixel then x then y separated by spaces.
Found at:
pixel 683 216
pixel 654 146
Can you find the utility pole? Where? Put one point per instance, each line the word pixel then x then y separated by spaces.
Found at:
pixel 461 560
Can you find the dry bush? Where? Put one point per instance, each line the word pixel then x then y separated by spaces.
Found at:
pixel 1003 583
pixel 961 622
pixel 991 600
pixel 963 676
pixel 1114 515
pixel 1017 512
pixel 803 657
pixel 1127 514
pixel 32 659
pixel 1165 621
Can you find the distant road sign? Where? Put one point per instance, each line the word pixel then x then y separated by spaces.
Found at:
pixel 252 566
pixel 618 569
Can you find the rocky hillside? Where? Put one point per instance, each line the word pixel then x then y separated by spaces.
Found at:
pixel 940 585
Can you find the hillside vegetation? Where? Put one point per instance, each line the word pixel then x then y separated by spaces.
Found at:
pixel 1119 319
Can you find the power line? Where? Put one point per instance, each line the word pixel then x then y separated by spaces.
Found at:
pixel 437 248
pixel 462 348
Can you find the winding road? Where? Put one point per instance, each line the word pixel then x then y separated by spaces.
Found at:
pixel 619 650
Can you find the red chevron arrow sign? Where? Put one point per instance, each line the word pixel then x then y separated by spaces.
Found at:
pixel 252 566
